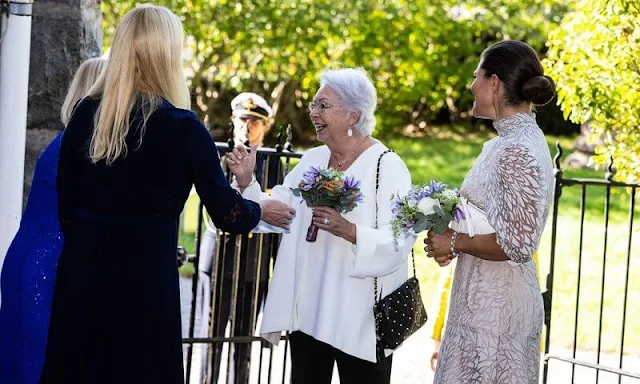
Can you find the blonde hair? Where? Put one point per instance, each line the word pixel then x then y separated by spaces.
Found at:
pixel 84 78
pixel 145 66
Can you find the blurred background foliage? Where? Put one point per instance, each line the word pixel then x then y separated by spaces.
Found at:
pixel 420 53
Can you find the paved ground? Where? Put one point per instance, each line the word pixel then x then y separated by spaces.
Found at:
pixel 410 362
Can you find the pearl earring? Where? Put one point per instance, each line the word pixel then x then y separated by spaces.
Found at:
pixel 349 132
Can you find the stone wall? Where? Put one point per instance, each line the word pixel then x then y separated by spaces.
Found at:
pixel 64 34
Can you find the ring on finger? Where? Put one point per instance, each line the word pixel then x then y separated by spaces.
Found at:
pixel 326 221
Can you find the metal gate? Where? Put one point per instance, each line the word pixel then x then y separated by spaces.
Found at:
pixel 235 281
pixel 598 313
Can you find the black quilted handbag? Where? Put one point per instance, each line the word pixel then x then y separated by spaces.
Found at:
pixel 399 314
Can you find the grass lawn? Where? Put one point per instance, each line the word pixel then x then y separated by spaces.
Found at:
pixel 449 156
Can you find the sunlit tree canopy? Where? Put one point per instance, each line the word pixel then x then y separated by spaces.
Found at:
pixel 594 55
pixel 421 54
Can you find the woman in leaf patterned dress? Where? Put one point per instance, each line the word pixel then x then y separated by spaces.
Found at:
pixel 496 313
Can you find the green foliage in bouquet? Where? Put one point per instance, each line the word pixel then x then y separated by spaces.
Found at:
pixel 429 207
pixel 329 188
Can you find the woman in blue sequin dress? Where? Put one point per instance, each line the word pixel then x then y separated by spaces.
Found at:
pixel 29 271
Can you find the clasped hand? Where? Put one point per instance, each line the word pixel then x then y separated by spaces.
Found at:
pixel 330 220
pixel 242 163
pixel 438 246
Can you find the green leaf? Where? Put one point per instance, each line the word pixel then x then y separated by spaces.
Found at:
pixel 421 225
pixel 440 227
pixel 445 216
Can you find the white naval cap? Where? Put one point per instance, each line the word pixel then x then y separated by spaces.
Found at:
pixel 249 105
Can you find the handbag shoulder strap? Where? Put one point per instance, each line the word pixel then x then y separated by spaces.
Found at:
pixel 378 181
pixel 413 260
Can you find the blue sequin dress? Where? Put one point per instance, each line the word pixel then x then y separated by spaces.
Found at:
pixel 28 277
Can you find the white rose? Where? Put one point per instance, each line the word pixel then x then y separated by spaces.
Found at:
pixel 427 205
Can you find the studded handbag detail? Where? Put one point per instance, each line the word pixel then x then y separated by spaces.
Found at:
pixel 401 313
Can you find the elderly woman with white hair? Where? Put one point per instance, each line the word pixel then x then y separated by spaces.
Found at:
pixel 322 292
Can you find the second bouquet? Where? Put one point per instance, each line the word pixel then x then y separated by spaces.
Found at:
pixel 429 207
pixel 329 188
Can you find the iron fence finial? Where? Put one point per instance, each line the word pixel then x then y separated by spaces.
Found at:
pixel 279 137
pixel 288 145
pixel 556 160
pixel 610 170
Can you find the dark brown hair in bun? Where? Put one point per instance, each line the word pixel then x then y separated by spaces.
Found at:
pixel 539 90
pixel 518 67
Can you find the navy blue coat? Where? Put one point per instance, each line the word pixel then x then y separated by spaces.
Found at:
pixel 116 307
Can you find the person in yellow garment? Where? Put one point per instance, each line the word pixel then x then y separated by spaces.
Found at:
pixel 440 304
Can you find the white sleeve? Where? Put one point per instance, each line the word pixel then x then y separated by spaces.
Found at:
pixel 207 248
pixel 254 192
pixel 376 253
pixel 280 192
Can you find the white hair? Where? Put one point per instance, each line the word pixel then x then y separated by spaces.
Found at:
pixel 357 94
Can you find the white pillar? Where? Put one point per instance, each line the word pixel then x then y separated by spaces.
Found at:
pixel 14 87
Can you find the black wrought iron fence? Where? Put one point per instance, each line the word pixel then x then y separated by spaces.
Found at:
pixel 236 282
pixel 592 361
pixel 228 287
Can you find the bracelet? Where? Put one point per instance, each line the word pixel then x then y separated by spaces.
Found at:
pixel 453 244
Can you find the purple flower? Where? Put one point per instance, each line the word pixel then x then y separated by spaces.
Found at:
pixel 351 183
pixel 437 186
pixel 396 205
pixel 458 214
pixel 415 196
pixel 312 174
pixel 306 187
pixel 424 192
pixel 430 189
pixel 309 179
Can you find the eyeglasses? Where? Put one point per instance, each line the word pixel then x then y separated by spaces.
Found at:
pixel 323 106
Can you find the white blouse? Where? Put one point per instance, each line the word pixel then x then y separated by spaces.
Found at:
pixel 325 288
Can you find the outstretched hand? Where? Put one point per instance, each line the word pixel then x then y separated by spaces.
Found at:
pixel 242 163
pixel 276 213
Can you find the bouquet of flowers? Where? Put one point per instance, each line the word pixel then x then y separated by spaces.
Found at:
pixel 429 207
pixel 329 188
